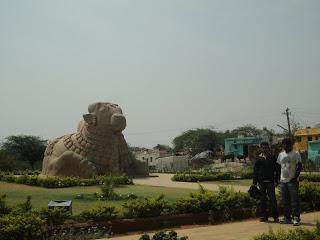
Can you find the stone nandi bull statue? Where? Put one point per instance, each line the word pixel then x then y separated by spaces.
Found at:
pixel 98 147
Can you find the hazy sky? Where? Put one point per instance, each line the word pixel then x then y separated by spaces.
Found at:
pixel 171 65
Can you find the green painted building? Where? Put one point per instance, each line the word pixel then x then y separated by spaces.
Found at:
pixel 240 146
pixel 314 151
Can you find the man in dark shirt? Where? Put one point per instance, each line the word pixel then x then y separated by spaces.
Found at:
pixel 266 174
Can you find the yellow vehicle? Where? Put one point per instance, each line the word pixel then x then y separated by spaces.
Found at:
pixel 304 136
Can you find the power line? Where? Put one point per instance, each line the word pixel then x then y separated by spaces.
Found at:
pixel 212 126
pixel 317 114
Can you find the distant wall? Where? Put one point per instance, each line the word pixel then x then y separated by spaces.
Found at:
pixel 172 163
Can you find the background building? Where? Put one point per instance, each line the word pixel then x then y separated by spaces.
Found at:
pixel 303 136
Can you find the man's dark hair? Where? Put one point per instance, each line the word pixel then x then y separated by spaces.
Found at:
pixel 287 141
pixel 264 144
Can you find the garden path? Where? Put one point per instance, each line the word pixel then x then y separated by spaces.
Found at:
pixel 164 180
pixel 244 230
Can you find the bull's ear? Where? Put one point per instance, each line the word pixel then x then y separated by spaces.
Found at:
pixel 90 118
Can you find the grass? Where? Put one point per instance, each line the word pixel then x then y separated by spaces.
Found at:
pixel 17 193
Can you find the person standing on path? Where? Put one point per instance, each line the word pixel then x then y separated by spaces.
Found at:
pixel 291 166
pixel 266 176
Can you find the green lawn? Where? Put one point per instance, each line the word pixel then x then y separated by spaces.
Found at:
pixel 40 197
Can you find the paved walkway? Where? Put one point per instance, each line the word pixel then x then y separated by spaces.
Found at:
pixel 244 230
pixel 164 180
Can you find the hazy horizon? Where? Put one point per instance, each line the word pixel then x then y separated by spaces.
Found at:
pixel 171 65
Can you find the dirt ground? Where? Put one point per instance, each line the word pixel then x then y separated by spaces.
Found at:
pixel 244 230
pixel 164 180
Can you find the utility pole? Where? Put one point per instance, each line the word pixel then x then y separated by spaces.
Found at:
pixel 287 113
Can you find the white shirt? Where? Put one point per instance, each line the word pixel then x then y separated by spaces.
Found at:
pixel 288 162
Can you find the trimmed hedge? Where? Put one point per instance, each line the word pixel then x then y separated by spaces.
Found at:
pixel 223 205
pixel 202 177
pixel 146 207
pixel 60 182
pixel 100 213
pixel 212 176
pixel 244 174
pixel 311 177
pixel 309 193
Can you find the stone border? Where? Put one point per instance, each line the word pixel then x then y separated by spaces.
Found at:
pixel 137 224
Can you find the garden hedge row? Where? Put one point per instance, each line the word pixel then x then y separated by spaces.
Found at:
pixel 60 182
pixel 21 222
pixel 211 176
pixel 216 176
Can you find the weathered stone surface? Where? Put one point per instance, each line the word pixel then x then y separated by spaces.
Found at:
pixel 98 147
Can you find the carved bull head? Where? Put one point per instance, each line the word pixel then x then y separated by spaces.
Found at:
pixel 105 116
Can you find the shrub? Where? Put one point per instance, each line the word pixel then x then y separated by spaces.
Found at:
pixel 9 178
pixel 147 207
pixel 60 182
pixel 223 205
pixel 246 173
pixel 311 177
pixel 108 192
pixel 188 205
pixel 171 235
pixel 22 208
pixel 310 195
pixel 232 205
pixel 26 226
pixel 54 216
pixel 4 209
pixel 200 177
pixel 296 234
pixel 23 179
pixel 101 213
pixel 80 234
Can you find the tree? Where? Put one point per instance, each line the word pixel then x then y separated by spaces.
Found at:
pixel 25 148
pixel 248 130
pixel 7 162
pixel 162 147
pixel 295 126
pixel 195 141
pixel 137 149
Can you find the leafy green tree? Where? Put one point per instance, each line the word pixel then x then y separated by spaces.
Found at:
pixel 247 130
pixel 161 147
pixel 7 162
pixel 221 136
pixel 25 148
pixel 195 141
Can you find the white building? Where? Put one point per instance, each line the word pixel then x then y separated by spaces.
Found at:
pixel 150 156
pixel 173 163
